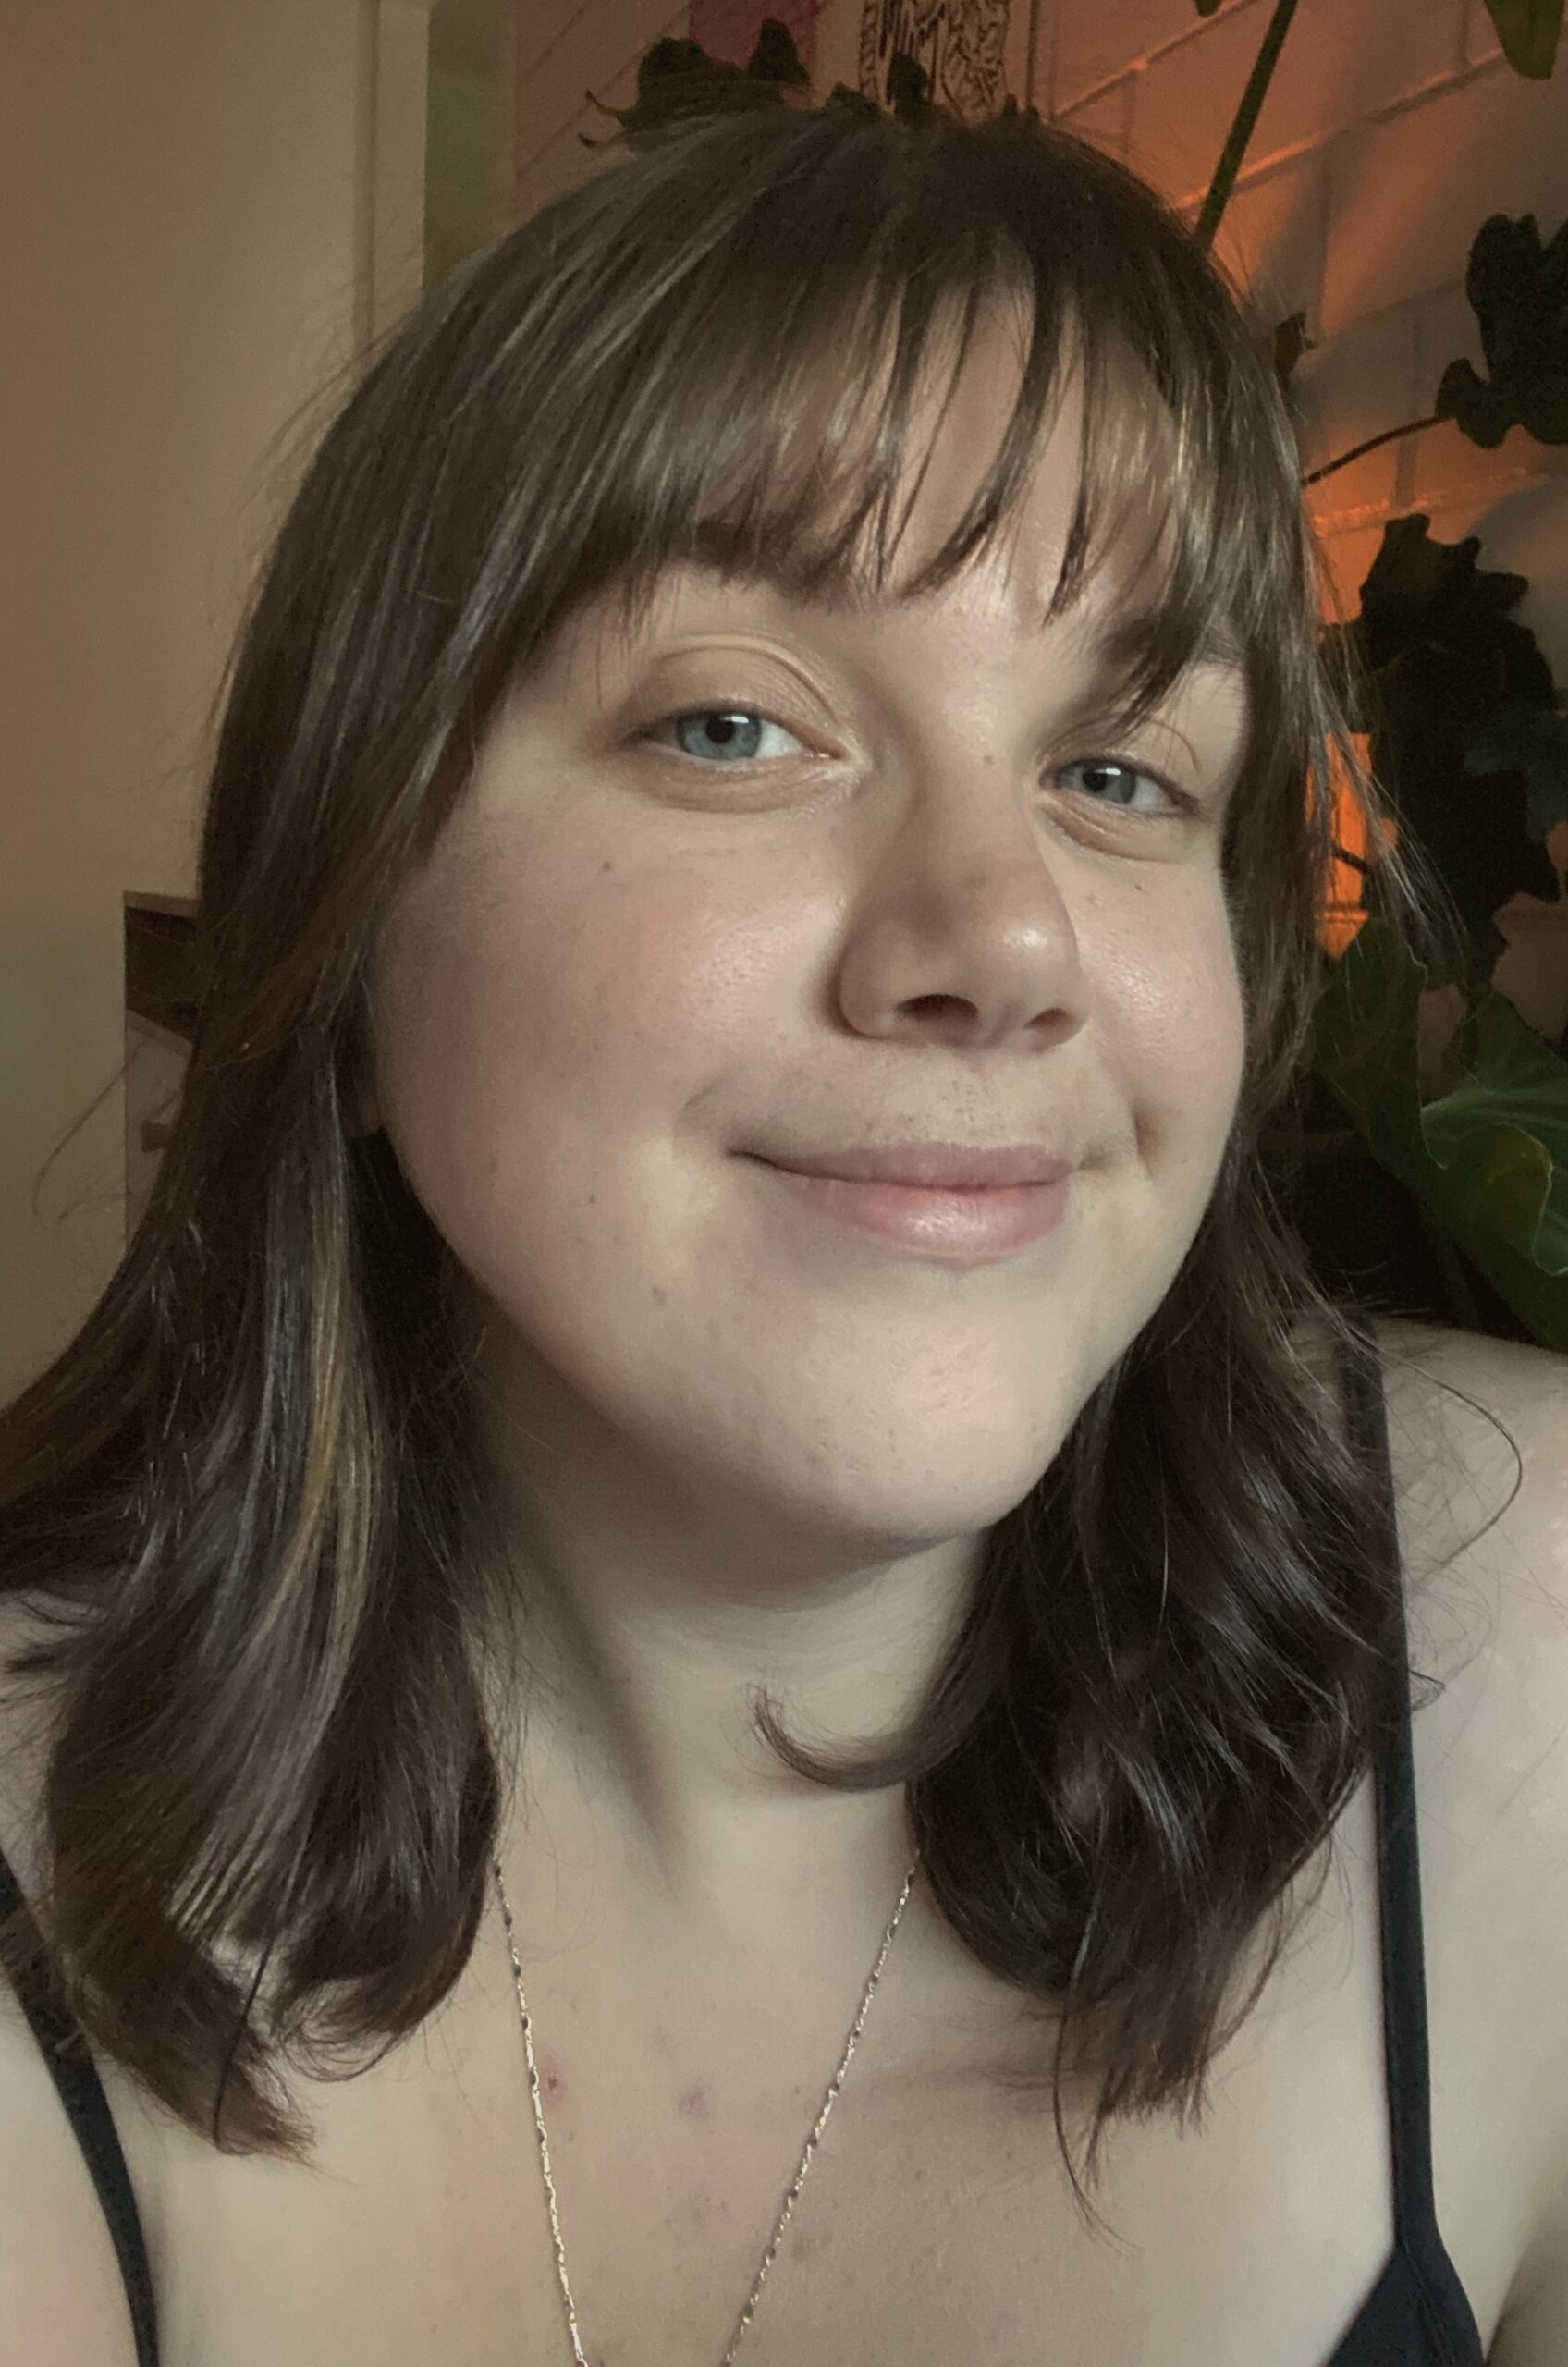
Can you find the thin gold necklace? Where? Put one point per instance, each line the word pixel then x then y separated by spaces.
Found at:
pixel 834 2085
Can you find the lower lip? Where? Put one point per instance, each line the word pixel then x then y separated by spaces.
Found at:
pixel 966 1226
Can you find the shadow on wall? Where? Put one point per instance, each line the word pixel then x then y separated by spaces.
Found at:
pixel 461 132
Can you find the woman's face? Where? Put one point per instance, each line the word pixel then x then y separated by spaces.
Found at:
pixel 923 888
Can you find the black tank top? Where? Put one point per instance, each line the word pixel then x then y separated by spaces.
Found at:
pixel 1417 2314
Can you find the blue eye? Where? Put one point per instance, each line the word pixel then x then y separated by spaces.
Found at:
pixel 1173 797
pixel 736 738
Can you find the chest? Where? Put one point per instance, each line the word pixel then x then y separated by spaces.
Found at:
pixel 936 2221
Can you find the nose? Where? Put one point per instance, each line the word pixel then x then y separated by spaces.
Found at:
pixel 963 932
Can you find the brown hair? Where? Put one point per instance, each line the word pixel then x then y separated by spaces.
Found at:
pixel 247 1496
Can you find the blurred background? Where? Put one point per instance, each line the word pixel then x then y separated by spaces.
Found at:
pixel 211 207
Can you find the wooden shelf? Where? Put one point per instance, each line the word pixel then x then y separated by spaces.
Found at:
pixel 161 984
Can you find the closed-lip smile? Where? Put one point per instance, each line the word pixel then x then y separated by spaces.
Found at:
pixel 931 1165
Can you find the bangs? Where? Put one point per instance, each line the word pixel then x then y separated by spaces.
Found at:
pixel 768 430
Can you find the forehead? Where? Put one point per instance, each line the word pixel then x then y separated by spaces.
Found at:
pixel 809 544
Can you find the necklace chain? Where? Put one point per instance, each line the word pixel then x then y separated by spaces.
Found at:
pixel 834 2085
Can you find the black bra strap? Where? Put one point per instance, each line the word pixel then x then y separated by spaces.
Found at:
pixel 87 2108
pixel 1404 1984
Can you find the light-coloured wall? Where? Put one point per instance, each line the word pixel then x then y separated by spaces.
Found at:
pixel 206 208
pixel 461 158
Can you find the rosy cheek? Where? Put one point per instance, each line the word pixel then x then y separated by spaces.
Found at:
pixel 666 975
pixel 1179 1015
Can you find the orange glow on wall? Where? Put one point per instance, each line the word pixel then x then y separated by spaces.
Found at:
pixel 1347 887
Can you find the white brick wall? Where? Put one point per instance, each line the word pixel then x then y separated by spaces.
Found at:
pixel 1087 47
pixel 1407 194
pixel 1272 237
pixel 1389 132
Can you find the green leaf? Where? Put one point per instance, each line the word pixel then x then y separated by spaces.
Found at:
pixel 1529 30
pixel 1519 290
pixel 909 93
pixel 678 82
pixel 1487 1162
pixel 1291 341
pixel 1433 658
pixel 1533 741
pixel 776 58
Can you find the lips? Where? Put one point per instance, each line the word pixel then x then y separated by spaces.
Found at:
pixel 930 1166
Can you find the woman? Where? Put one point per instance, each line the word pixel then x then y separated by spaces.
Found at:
pixel 709 1483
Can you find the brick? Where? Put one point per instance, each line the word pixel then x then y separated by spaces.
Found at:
pixel 1407 196
pixel 1351 388
pixel 1270 239
pixel 1089 41
pixel 1105 120
pixel 1185 102
pixel 1342 62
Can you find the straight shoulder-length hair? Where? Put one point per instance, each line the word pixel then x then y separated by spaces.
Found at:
pixel 283 1652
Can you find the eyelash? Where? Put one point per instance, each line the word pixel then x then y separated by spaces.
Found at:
pixel 1183 800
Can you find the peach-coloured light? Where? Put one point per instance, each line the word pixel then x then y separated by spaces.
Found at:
pixel 1347 889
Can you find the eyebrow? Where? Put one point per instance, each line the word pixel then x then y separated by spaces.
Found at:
pixel 1126 641
pixel 1122 642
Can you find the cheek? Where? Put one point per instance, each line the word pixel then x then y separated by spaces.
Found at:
pixel 533 1030
pixel 1180 1019
pixel 632 993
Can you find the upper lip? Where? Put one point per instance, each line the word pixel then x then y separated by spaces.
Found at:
pixel 939 1167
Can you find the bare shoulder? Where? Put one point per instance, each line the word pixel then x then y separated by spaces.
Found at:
pixel 61 2300
pixel 1478 1441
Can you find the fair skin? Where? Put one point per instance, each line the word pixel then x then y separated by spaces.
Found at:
pixel 910 913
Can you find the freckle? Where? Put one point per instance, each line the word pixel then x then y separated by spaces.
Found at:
pixel 693 2101
pixel 552 2083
